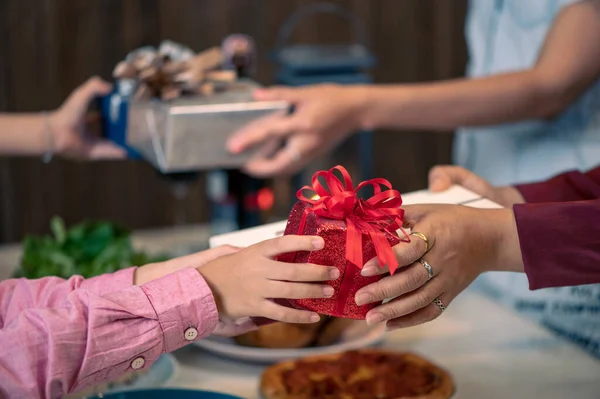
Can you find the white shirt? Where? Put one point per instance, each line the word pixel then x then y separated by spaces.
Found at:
pixel 506 36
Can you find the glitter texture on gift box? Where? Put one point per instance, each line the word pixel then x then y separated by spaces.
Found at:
pixel 377 217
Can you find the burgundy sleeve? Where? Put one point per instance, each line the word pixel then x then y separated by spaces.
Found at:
pixel 570 186
pixel 560 242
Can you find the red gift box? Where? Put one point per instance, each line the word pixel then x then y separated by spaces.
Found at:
pixel 355 230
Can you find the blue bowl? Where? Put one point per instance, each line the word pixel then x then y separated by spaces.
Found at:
pixel 165 393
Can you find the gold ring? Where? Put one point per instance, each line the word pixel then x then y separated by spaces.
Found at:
pixel 422 237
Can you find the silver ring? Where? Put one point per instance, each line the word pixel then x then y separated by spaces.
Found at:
pixel 428 268
pixel 440 304
pixel 294 154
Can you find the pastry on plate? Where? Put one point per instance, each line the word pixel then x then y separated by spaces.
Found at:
pixel 281 336
pixel 333 330
pixel 326 332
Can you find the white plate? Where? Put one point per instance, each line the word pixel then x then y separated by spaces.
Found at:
pixel 355 337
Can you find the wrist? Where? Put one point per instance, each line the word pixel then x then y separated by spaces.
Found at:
pixel 502 228
pixel 144 274
pixel 509 195
pixel 206 272
pixel 382 105
pixel 153 271
pixel 48 136
pixel 53 126
pixel 364 97
pixel 40 140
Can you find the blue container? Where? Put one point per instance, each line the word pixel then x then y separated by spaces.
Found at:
pixel 114 116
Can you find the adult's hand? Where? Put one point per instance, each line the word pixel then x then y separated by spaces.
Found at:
pixel 443 176
pixel 463 243
pixel 69 126
pixel 323 116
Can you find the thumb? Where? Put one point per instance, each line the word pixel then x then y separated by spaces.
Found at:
pixel 414 213
pixel 81 97
pixel 441 177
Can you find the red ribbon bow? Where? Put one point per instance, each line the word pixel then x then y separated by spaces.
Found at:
pixel 375 216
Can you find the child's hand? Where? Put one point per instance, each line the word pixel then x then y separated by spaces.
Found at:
pixel 245 283
pixel 153 271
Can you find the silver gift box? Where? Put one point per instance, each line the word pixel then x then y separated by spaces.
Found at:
pixel 190 133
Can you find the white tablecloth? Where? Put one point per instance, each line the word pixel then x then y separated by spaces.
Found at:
pixel 491 352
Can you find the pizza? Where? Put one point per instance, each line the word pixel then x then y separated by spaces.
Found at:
pixel 363 374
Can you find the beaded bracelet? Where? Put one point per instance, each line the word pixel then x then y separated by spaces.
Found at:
pixel 48 155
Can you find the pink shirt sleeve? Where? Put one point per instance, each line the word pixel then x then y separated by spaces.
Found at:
pixel 96 332
pixel 17 295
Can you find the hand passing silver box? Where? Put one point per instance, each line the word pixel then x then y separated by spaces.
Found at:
pixel 190 133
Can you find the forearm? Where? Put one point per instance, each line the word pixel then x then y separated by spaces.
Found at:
pixel 18 295
pixel 24 134
pixel 498 226
pixel 94 338
pixel 566 66
pixel 559 242
pixel 555 244
pixel 463 102
pixel 565 187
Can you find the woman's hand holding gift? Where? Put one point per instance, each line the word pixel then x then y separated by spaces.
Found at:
pixel 455 245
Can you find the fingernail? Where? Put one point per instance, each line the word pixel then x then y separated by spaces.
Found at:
pixel 369 271
pixel 328 291
pixel 334 274
pixel 374 318
pixel 364 298
pixel 314 318
pixel 318 243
